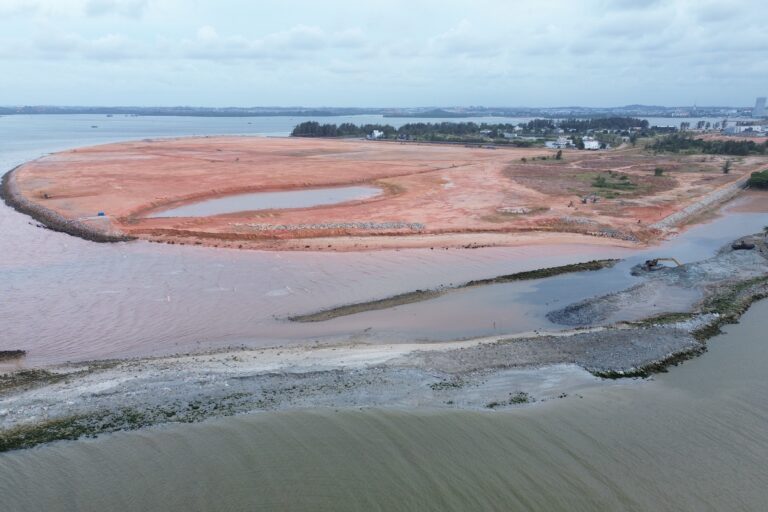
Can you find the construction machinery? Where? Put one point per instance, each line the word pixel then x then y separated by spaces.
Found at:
pixel 651 265
pixel 742 245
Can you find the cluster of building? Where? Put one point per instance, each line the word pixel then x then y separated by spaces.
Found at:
pixel 590 143
pixel 746 129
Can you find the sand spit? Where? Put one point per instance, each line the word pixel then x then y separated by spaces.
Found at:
pixel 71 401
pixel 494 197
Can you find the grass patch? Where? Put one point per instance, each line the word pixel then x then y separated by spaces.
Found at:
pixel 12 354
pixel 28 378
pixel 27 436
pixel 445 385
pixel 519 398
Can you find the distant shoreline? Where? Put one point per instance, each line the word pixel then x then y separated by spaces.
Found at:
pixel 416 112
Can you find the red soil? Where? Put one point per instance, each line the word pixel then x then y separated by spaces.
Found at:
pixel 462 196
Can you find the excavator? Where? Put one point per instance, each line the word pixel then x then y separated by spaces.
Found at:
pixel 651 265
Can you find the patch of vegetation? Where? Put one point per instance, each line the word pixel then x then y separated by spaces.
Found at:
pixel 606 129
pixel 610 181
pixel 28 378
pixel 521 397
pixel 645 371
pixel 445 385
pixel 11 354
pixel 758 180
pixel 350 309
pixel 545 272
pixel 733 300
pixel 27 436
pixel 659 171
pixel 682 143
pixel 126 418
pixel 664 318
pixel 729 303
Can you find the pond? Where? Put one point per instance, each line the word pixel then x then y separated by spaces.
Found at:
pixel 271 200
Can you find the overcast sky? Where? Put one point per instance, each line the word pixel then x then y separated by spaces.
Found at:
pixel 383 53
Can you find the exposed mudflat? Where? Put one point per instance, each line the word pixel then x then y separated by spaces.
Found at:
pixel 74 400
pixel 687 283
pixel 480 374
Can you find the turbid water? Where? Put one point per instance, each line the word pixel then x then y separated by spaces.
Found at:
pixel 270 200
pixel 691 440
pixel 69 299
pixel 694 439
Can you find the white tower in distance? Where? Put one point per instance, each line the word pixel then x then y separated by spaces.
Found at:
pixel 759 110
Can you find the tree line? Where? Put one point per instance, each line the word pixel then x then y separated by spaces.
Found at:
pixel 681 143
pixel 468 131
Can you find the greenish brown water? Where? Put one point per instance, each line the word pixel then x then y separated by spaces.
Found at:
pixel 693 439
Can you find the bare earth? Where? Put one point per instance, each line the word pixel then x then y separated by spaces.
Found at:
pixel 434 195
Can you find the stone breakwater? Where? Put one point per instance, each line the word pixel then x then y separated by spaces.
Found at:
pixel 413 226
pixel 50 219
pixel 712 199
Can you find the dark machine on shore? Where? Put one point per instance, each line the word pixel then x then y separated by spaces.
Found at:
pixel 651 265
pixel 742 245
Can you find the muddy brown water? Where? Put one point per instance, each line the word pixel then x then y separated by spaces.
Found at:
pixel 270 200
pixel 66 299
pixel 695 439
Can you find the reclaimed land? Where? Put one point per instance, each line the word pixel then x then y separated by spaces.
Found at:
pixel 51 219
pixel 87 399
pixel 432 195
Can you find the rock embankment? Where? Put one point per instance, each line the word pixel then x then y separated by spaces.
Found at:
pixel 50 219
pixel 710 200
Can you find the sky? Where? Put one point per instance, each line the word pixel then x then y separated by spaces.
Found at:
pixel 383 54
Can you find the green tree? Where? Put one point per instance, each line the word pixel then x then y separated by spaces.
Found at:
pixel 659 171
pixel 727 167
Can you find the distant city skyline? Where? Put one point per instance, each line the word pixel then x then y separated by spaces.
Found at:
pixel 595 53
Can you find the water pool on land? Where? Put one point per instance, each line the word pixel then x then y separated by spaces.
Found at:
pixel 271 200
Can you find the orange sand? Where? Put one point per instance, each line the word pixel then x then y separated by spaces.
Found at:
pixel 462 196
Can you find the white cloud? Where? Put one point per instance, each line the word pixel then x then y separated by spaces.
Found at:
pixel 129 8
pixel 498 52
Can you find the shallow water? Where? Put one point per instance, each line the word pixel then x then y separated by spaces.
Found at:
pixel 270 200
pixel 691 440
pixel 68 299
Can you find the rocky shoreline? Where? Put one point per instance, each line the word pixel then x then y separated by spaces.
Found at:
pixel 72 401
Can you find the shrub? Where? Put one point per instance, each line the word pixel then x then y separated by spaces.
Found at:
pixel 759 180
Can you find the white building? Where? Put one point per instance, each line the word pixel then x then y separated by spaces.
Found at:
pixel 560 143
pixel 591 144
